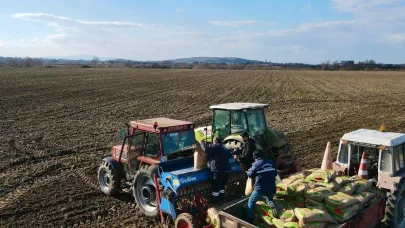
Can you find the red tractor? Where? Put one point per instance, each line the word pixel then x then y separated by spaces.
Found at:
pixel 146 144
pixel 156 161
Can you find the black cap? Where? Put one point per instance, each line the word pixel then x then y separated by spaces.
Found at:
pixel 257 154
pixel 244 134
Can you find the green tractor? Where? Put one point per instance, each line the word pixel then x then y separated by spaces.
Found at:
pixel 231 119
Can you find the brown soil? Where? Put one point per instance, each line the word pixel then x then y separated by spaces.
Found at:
pixel 58 124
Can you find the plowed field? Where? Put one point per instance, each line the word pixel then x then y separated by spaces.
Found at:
pixel 58 124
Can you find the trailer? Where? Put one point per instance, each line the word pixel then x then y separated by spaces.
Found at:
pixel 370 217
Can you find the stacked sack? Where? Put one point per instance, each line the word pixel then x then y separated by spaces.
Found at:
pixel 290 191
pixel 322 184
pixel 341 206
pixel 317 198
pixel 354 195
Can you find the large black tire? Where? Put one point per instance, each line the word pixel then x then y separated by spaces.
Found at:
pixel 395 207
pixel 185 220
pixel 144 191
pixel 108 179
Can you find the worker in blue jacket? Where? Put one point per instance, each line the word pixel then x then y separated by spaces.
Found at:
pixel 264 172
pixel 218 157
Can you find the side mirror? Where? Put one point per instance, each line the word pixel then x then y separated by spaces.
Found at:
pixel 122 134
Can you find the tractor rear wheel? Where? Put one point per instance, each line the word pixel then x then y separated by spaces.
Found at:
pixel 108 179
pixel 144 191
pixel 395 207
pixel 185 220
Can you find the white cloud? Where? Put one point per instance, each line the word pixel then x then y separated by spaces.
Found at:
pixel 241 23
pixel 325 25
pixel 359 6
pixel 57 21
pixel 306 8
pixel 186 32
pixel 195 34
pixel 393 38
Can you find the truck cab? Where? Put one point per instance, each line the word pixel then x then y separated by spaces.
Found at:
pixel 384 153
pixel 385 156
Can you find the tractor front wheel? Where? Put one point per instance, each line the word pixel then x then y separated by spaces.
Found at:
pixel 395 207
pixel 185 220
pixel 108 179
pixel 144 191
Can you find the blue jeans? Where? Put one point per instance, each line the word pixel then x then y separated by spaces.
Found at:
pixel 256 196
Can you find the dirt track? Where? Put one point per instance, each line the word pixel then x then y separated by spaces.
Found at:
pixel 58 124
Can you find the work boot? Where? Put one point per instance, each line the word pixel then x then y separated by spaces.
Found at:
pixel 214 200
pixel 274 210
pixel 221 197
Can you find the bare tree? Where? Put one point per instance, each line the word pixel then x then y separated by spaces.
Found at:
pixel 27 62
pixel 38 62
pixel 95 61
pixel 2 61
pixel 128 64
pixel 11 62
pixel 335 65
pixel 325 65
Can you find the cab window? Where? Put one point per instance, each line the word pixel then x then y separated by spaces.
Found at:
pixel 238 122
pixel 138 140
pixel 385 165
pixel 344 154
pixel 256 121
pixel 152 148
pixel 177 141
pixel 398 157
pixel 137 143
pixel 221 123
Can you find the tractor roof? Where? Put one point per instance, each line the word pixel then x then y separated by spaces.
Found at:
pixel 239 106
pixel 375 137
pixel 147 124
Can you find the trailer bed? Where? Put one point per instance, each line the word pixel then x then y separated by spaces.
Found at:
pixel 370 217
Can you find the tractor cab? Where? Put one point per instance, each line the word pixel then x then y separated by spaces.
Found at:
pixel 230 119
pixel 384 153
pixel 234 118
pixel 154 140
pixel 146 142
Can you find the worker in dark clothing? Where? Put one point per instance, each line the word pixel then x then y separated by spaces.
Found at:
pixel 218 157
pixel 264 172
pixel 244 155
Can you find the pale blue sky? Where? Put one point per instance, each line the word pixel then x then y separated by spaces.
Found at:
pixel 308 31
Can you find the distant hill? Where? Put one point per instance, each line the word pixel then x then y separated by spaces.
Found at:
pixel 191 60
pixel 78 57
pixel 227 60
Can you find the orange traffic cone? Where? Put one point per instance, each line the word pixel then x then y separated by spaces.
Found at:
pixel 327 158
pixel 363 167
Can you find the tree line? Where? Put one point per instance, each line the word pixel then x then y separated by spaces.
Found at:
pixel 96 62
